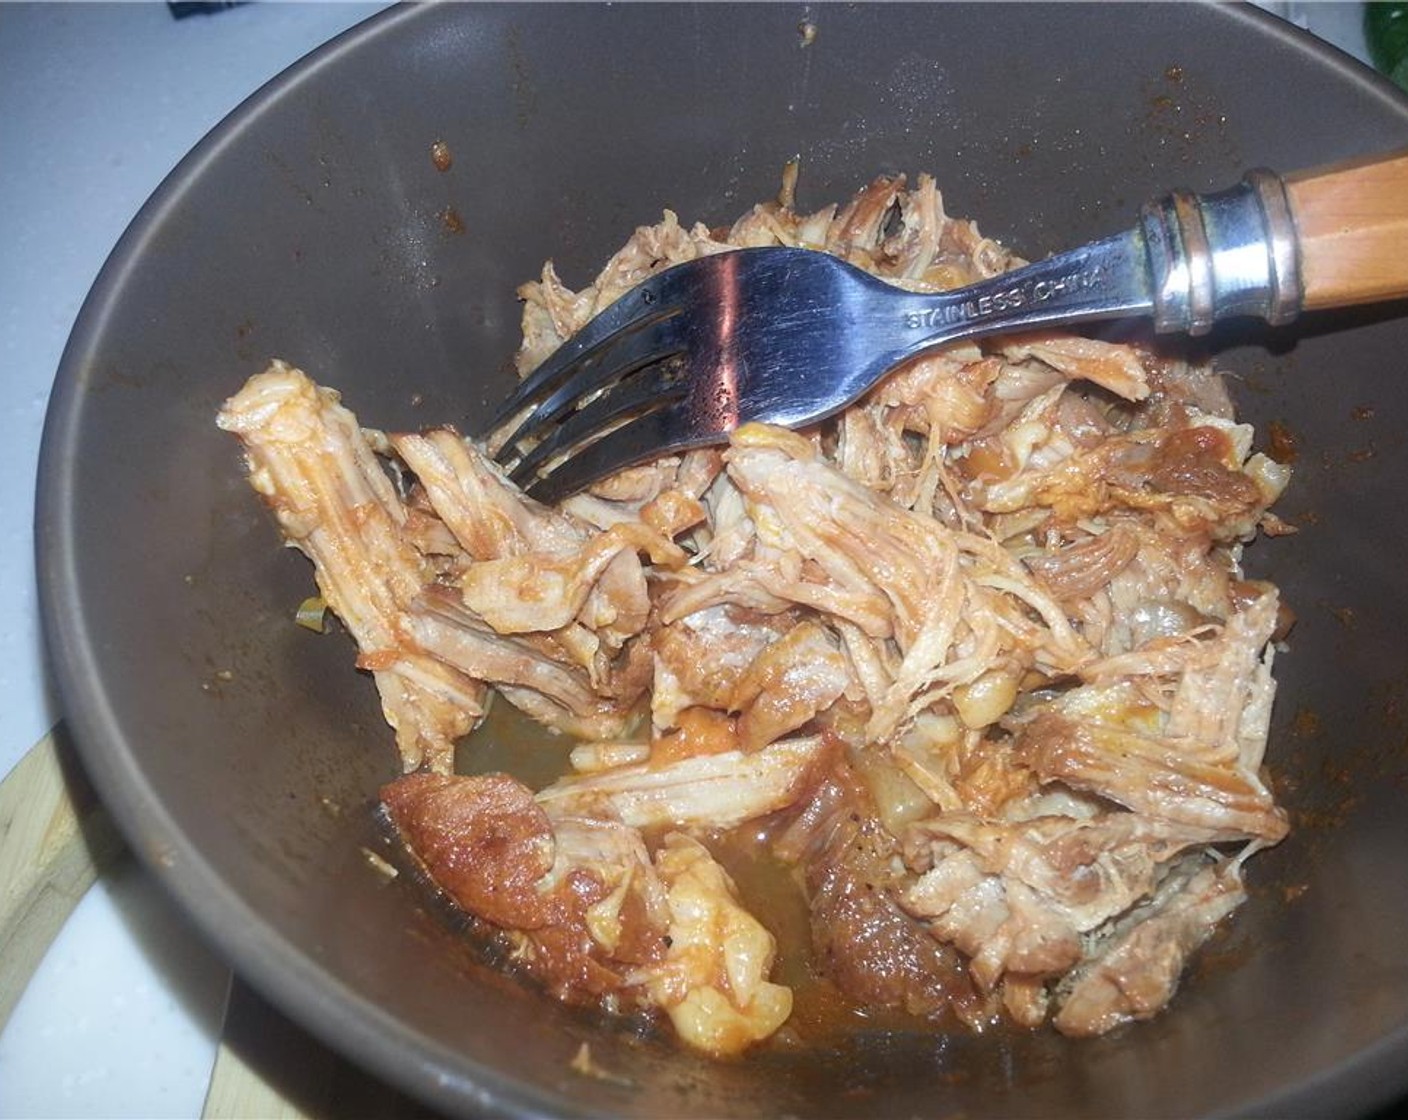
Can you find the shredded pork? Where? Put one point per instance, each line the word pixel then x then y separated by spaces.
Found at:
pixel 977 655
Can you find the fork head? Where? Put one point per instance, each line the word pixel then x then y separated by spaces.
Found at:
pixel 787 336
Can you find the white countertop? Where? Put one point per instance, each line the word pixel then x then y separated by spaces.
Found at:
pixel 97 104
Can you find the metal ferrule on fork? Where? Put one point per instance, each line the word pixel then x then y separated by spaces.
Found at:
pixel 1216 255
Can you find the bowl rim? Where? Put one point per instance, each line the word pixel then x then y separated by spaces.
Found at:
pixel 319 1001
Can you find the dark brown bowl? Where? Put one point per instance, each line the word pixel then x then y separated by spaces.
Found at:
pixel 241 753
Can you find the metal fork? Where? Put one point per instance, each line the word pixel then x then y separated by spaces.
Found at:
pixel 792 336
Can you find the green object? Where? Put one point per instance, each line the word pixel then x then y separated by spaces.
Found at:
pixel 1386 32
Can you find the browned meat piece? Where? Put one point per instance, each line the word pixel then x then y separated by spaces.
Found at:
pixel 862 940
pixel 582 896
pixel 485 841
pixel 1135 975
pixel 874 952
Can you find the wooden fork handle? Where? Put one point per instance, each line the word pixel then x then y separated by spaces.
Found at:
pixel 1352 225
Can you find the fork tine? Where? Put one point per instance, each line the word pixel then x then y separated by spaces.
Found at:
pixel 615 359
pixel 657 386
pixel 636 309
pixel 646 437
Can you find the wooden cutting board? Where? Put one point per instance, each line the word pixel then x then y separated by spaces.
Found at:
pixel 55 839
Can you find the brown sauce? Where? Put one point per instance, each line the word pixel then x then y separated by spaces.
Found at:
pixel 509 742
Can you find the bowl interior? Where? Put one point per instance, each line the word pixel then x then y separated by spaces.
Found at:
pixel 242 753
